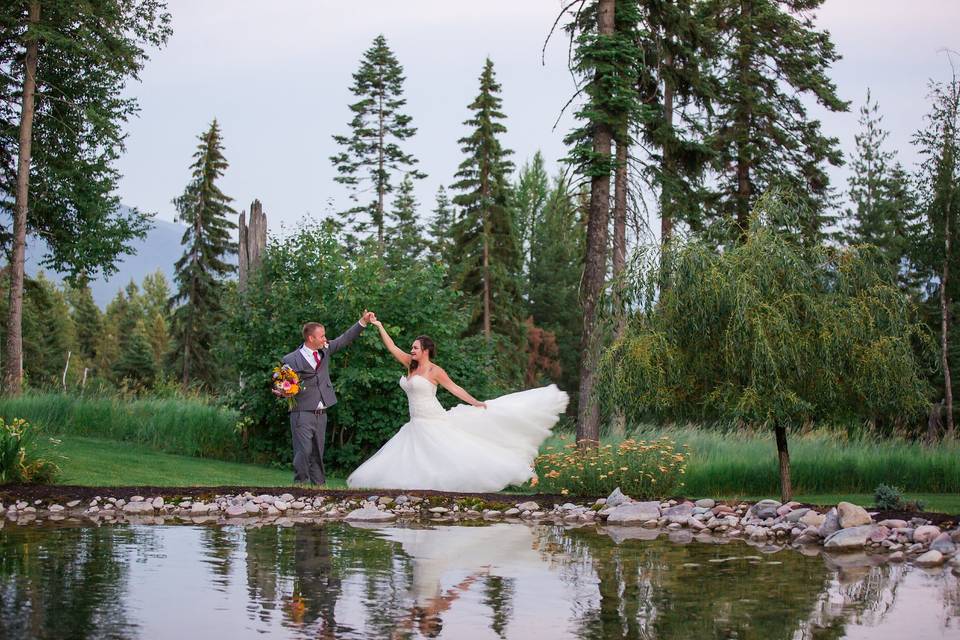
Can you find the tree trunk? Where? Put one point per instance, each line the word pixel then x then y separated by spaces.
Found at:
pixel 786 490
pixel 13 374
pixel 744 160
pixel 945 328
pixel 667 172
pixel 595 267
pixel 381 192
pixel 619 424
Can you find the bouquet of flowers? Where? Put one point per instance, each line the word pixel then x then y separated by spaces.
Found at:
pixel 286 383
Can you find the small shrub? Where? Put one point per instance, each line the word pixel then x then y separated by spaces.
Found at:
pixel 21 455
pixel 888 498
pixel 642 469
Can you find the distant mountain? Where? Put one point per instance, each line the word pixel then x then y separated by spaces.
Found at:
pixel 159 249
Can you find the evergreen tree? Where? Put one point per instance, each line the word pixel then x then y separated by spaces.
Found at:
pixel 203 267
pixel 65 66
pixel 939 199
pixel 761 131
pixel 441 229
pixel 883 212
pixel 108 342
pixel 372 151
pixel 557 254
pixel 529 197
pixel 87 319
pixel 405 242
pixel 136 363
pixel 489 259
pixel 605 56
pixel 156 316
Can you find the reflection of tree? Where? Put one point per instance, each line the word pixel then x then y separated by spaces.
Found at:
pixel 65 582
pixel 646 592
pixel 219 544
pixel 498 594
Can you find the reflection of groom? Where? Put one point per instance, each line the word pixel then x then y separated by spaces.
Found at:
pixel 308 417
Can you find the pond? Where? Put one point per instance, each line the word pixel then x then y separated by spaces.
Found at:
pixel 412 580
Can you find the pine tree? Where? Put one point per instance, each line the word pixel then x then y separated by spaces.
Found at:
pixel 136 363
pixel 676 83
pixel 372 151
pixel 939 199
pixel 529 197
pixel 761 131
pixel 441 229
pixel 489 258
pixel 87 319
pixel 65 66
pixel 203 267
pixel 557 255
pixel 405 239
pixel 605 57
pixel 883 212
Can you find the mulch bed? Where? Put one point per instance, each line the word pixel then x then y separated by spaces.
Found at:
pixel 65 493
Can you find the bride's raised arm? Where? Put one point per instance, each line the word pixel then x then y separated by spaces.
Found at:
pixel 398 353
pixel 444 380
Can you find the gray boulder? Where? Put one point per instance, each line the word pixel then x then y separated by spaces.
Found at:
pixel 765 509
pixel 138 508
pixel 679 514
pixel 931 558
pixel 634 514
pixel 706 503
pixel 616 498
pixel 831 524
pixel 850 539
pixel 944 544
pixel 852 515
pixel 370 514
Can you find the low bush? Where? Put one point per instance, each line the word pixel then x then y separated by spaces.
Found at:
pixel 23 455
pixel 641 468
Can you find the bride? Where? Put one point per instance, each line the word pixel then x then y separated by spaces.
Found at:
pixel 479 448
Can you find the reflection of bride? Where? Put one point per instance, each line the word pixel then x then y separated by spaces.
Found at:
pixel 440 553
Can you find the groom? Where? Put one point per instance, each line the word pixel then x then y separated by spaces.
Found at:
pixel 308 417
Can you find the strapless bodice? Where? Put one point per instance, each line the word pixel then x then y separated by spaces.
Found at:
pixel 422 398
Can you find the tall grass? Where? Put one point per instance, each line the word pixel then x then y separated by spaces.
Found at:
pixel 187 426
pixel 744 462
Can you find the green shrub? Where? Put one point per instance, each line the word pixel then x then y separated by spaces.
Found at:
pixel 642 469
pixel 22 456
pixel 888 498
pixel 307 277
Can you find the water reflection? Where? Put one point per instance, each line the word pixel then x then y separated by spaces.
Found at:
pixel 418 580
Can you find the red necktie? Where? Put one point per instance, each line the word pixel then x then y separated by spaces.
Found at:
pixel 316 358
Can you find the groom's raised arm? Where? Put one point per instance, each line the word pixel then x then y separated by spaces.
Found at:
pixel 348 336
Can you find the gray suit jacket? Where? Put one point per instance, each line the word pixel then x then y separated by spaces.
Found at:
pixel 315 385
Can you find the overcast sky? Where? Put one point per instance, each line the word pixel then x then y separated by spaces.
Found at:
pixel 277 75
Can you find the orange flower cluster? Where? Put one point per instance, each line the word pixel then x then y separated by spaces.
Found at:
pixel 640 468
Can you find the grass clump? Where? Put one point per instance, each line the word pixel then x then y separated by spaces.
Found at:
pixel 641 468
pixel 23 457
pixel 182 425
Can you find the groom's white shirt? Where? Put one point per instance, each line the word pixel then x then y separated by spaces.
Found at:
pixel 307 354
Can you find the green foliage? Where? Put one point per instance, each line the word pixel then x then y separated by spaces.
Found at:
pixel 640 468
pixel 204 208
pixel 888 498
pixel 188 426
pixel 440 231
pixel 528 199
pixel 770 54
pixel 307 277
pixel 488 257
pixel 557 246
pixel 87 53
pixel 372 152
pixel 884 212
pixel 404 242
pixel 87 318
pixel 22 459
pixel 768 332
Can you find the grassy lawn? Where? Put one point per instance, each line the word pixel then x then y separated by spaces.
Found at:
pixel 106 463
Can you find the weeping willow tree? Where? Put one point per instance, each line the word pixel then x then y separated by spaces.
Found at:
pixel 769 333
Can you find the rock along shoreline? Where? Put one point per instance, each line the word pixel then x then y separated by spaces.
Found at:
pixel 844 529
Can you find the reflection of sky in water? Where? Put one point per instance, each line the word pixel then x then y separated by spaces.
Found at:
pixel 459 581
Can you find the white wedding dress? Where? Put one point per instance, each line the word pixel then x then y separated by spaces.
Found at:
pixel 465 449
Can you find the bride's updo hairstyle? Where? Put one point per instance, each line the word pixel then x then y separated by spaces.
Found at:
pixel 426 344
